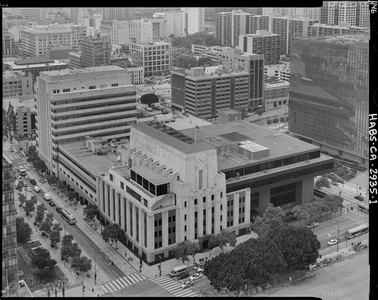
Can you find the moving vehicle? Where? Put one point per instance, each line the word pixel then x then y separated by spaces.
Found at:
pixel 29 189
pixel 187 284
pixel 47 197
pixel 27 177
pixel 37 189
pixel 363 207
pixel 21 171
pixel 195 276
pixel 51 203
pixel 199 269
pixel 313 224
pixel 183 275
pixel 68 217
pixel 332 242
pixel 359 230
pixel 58 209
pixel 358 197
pixel 11 149
pixel 19 178
pixel 33 182
pixel 176 271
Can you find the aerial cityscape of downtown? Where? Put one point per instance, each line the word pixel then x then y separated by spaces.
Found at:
pixel 186 151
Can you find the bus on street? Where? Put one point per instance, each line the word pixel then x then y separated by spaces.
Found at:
pixel 359 230
pixel 22 171
pixel 68 217
pixel 363 207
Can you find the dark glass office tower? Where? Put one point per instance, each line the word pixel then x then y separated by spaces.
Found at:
pixel 329 93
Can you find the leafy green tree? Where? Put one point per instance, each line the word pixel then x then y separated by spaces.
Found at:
pixel 90 212
pixel 39 215
pixel 81 264
pixel 148 99
pixel 334 202
pixel 183 250
pixel 55 238
pixel 322 182
pixel 75 202
pixel 52 180
pixel 195 249
pixel 230 237
pixel 62 187
pixel 46 226
pixel 20 186
pixel 111 232
pixel 301 212
pixel 71 195
pixel 42 259
pixel 73 250
pixel 40 166
pixel 21 198
pixel 299 246
pixel 32 157
pixel 10 122
pixel 259 111
pixel 67 239
pixel 45 275
pixel 271 219
pixel 29 206
pixel 57 227
pixel 213 241
pixel 23 231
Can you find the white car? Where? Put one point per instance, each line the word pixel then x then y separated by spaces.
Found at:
pixel 195 276
pixel 332 242
pixel 199 269
pixel 187 284
pixel 29 189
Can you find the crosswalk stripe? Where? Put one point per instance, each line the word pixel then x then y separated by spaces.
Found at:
pixel 168 284
pixel 190 295
pixel 104 289
pixel 115 284
pixel 195 295
pixel 119 283
pixel 111 290
pixel 173 289
pixel 123 281
pixel 131 279
pixel 159 279
pixel 127 280
pixel 182 293
pixel 133 276
pixel 137 276
pixel 112 286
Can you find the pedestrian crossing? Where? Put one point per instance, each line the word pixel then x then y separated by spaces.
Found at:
pixel 13 157
pixel 173 286
pixel 122 282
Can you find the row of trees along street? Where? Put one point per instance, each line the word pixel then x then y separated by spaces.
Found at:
pixel 38 163
pixel 279 249
pixel 71 252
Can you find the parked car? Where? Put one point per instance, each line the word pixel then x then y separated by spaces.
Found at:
pixel 27 177
pixel 358 197
pixel 183 275
pixel 309 225
pixel 42 180
pixel 59 209
pixel 33 182
pixel 29 189
pixel 11 149
pixel 195 276
pixel 315 224
pixel 187 284
pixel 51 203
pixel 332 242
pixel 19 178
pixel 199 269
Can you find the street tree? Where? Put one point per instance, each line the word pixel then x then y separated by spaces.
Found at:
pixel 301 212
pixel 195 249
pixel 148 99
pixel 45 275
pixel 57 227
pixel 271 219
pixel 40 166
pixel 29 206
pixel 32 157
pixel 322 182
pixel 90 212
pixel 67 239
pixel 111 232
pixel 20 186
pixel 46 226
pixel 183 250
pixel 21 198
pixel 10 122
pixel 50 217
pixel 39 216
pixel 33 199
pixel 51 179
pixel 75 202
pixel 81 264
pixel 42 259
pixel 72 250
pixel 55 238
pixel 334 202
pixel 299 246
pixel 71 195
pixel 62 187
pixel 229 236
pixel 23 231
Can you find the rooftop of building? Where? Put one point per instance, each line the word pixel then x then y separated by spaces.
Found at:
pixel 88 70
pixel 16 102
pixel 14 74
pixel 34 60
pixel 98 164
pixel 260 33
pixel 15 67
pixel 236 132
pixel 61 47
pixel 180 122
pixel 279 67
pixel 340 39
pixel 274 82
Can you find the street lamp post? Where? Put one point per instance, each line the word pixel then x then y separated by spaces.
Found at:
pixel 338 234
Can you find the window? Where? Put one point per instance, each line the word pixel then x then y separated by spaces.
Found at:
pixel 111 177
pixel 200 179
pixel 92 87
pixel 195 201
pixel 221 207
pixel 204 199
pixel 122 185
pixel 212 197
pixel 184 203
pixel 114 84
pixel 66 90
pixel 185 228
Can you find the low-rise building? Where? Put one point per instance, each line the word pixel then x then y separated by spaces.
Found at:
pixel 281 70
pixel 17 84
pixel 75 60
pixel 59 52
pixel 276 93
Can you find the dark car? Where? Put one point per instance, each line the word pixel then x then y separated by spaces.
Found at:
pixel 33 182
pixel 58 209
pixel 358 197
pixel 183 275
pixel 51 203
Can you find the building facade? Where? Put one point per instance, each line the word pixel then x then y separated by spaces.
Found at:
pixel 17 84
pixel 354 13
pixel 119 13
pixel 281 71
pixel 195 19
pixel 96 51
pixel 230 25
pixel 276 93
pixel 73 104
pixel 263 42
pixel 259 22
pixel 8 43
pixel 168 188
pixel 37 39
pixel 9 270
pixel 329 94
pixel 155 57
pixel 323 29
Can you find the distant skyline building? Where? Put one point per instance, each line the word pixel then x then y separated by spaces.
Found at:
pixel 73 104
pixel 96 51
pixel 311 13
pixel 117 13
pixel 336 12
pixel 17 84
pixel 195 19
pixel 329 89
pixel 229 25
pixel 262 42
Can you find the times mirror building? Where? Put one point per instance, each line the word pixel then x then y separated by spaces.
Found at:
pixel 329 94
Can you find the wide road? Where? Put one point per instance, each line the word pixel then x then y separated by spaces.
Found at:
pixel 89 246
pixel 347 280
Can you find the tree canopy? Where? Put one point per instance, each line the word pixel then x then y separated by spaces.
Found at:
pixel 29 206
pixel 23 230
pixel 222 239
pixel 67 239
pixel 42 259
pixel 299 246
pixel 322 182
pixel 71 250
pixel 81 264
pixel 112 232
pixel 149 99
pixel 270 220
pixel 184 249
pixel 90 212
